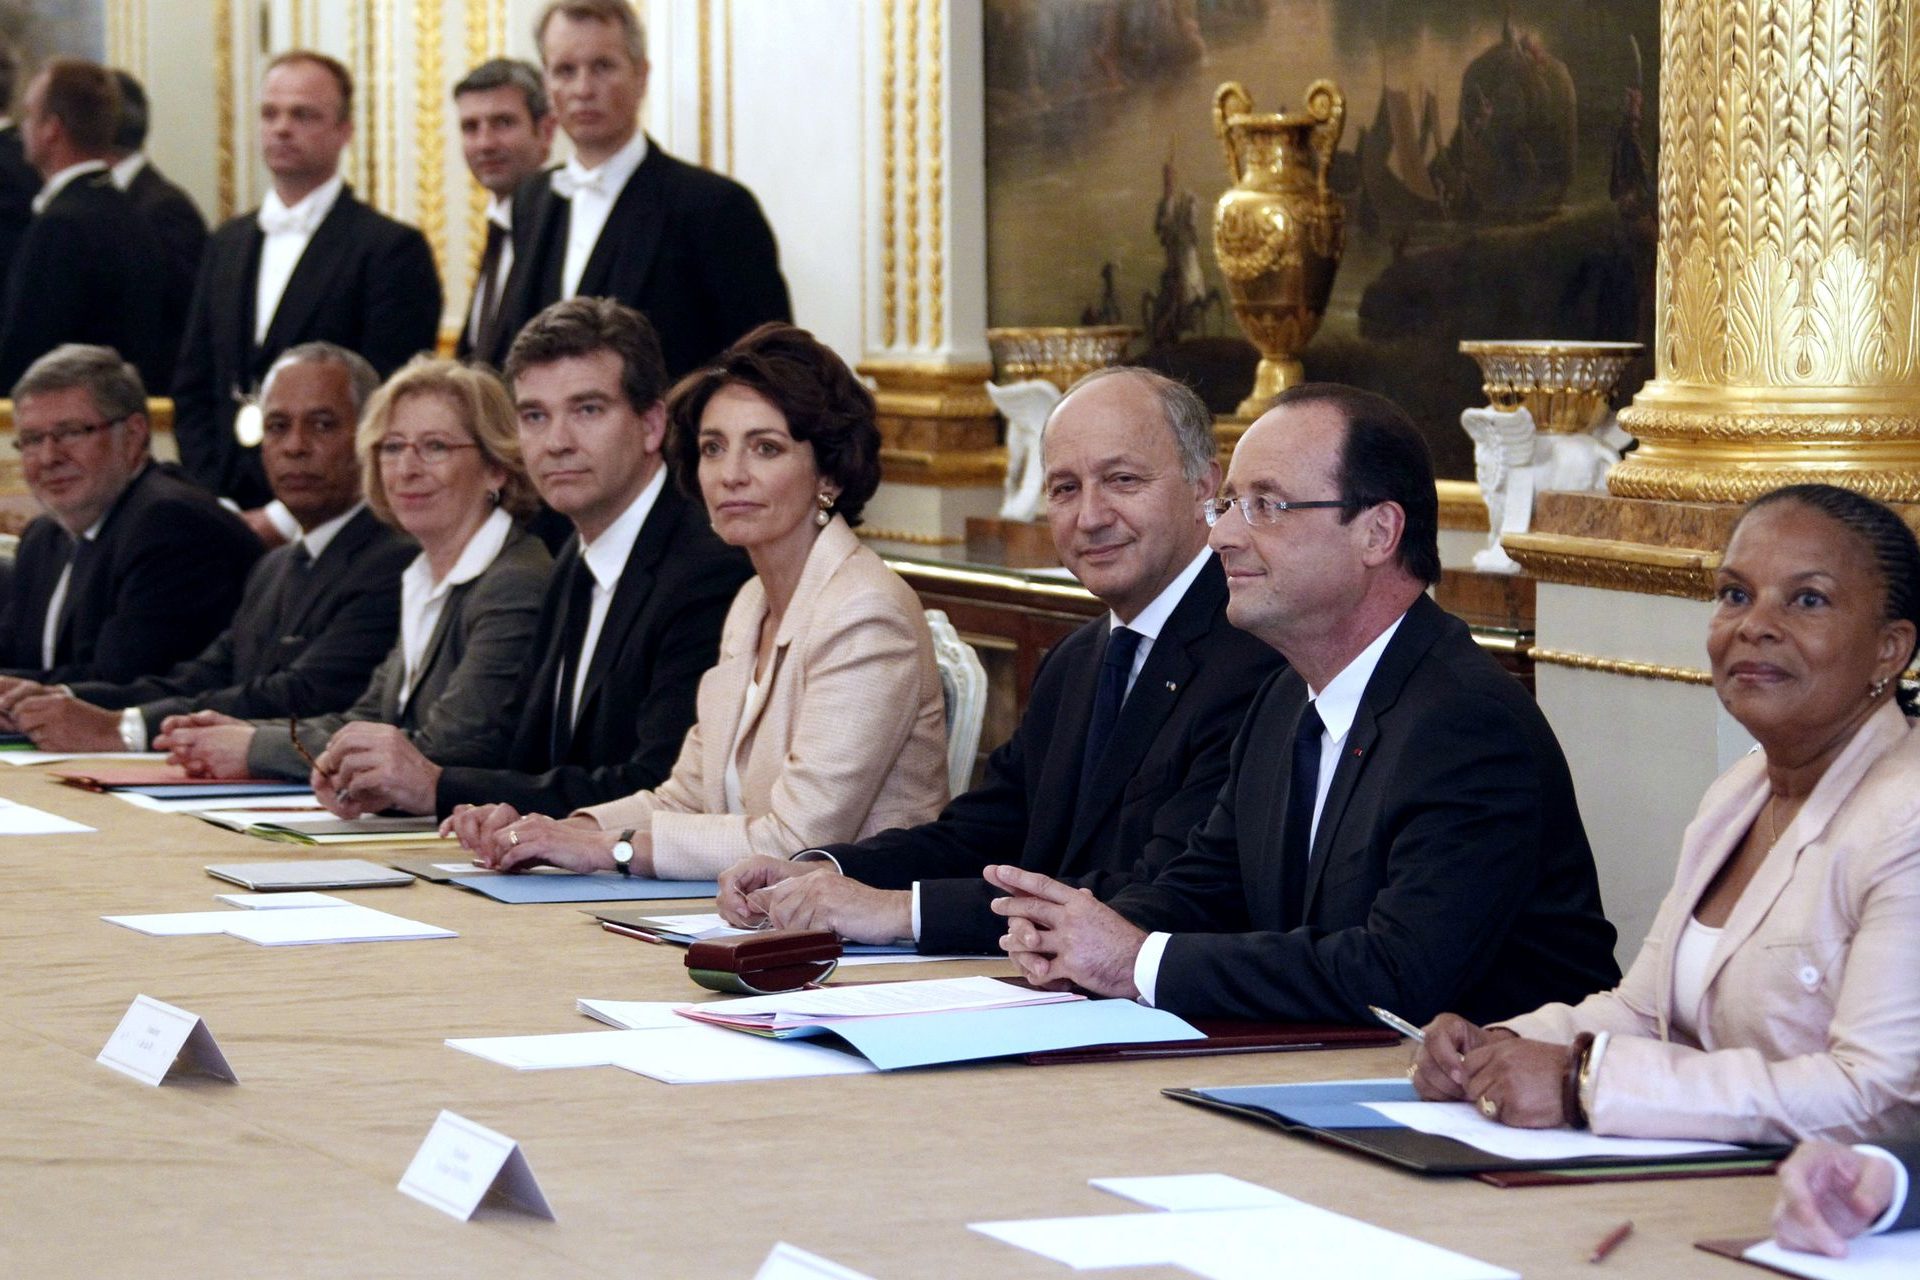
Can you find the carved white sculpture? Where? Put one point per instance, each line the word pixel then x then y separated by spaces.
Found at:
pixel 1513 460
pixel 1025 405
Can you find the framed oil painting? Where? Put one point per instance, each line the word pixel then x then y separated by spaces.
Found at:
pixel 1496 168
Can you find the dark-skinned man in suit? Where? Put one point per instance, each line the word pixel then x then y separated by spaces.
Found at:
pixel 687 248
pixel 311 264
pixel 318 614
pixel 1398 825
pixel 1124 741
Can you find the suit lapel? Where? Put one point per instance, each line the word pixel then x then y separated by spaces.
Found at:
pixel 535 740
pixel 533 282
pixel 1060 776
pixel 239 274
pixel 629 597
pixel 631 235
pixel 313 274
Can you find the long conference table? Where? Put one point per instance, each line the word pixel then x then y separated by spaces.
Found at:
pixel 342 1070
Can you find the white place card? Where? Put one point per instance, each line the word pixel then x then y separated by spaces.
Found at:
pixel 460 1162
pixel 789 1263
pixel 154 1036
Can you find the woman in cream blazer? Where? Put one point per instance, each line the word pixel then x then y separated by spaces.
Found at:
pixel 1777 995
pixel 822 720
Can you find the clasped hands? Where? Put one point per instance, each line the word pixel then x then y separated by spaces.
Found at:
pixel 55 719
pixel 1515 1081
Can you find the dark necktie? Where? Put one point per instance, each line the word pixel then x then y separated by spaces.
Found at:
pixel 573 634
pixel 1301 792
pixel 80 556
pixel 488 287
pixel 1115 667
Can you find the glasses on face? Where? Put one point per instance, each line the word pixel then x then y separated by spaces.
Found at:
pixel 433 452
pixel 63 433
pixel 1259 510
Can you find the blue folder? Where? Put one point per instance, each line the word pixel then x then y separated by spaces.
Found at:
pixel 599 887
pixel 967 1035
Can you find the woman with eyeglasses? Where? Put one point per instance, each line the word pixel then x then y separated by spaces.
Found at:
pixel 440 451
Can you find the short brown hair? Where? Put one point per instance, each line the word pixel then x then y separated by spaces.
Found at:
pixel 821 399
pixel 84 98
pixel 584 326
pixel 617 12
pixel 482 406
pixel 342 78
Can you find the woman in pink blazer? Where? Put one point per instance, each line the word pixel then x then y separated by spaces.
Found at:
pixel 822 720
pixel 1777 995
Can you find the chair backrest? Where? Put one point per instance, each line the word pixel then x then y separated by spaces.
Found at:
pixel 963 684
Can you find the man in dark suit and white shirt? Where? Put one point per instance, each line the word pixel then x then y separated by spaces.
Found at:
pixel 687 248
pixel 506 131
pixel 84 270
pixel 311 264
pixel 18 181
pixel 632 617
pixel 1124 741
pixel 318 614
pixel 1398 826
pixel 171 212
pixel 134 567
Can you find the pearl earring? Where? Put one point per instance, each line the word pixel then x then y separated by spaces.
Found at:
pixel 1877 688
pixel 826 509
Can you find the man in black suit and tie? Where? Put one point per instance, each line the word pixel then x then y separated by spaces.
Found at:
pixel 318 614
pixel 133 568
pixel 18 181
pixel 506 131
pixel 632 617
pixel 84 271
pixel 687 248
pixel 311 264
pixel 1398 826
pixel 169 210
pixel 1124 741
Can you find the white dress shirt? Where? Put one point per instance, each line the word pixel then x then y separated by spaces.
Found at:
pixel 50 628
pixel 127 168
pixel 606 558
pixel 285 234
pixel 58 182
pixel 1337 704
pixel 1148 624
pixel 590 194
pixel 499 214
pixel 422 600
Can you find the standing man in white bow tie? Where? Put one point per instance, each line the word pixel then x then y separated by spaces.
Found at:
pixel 622 219
pixel 311 264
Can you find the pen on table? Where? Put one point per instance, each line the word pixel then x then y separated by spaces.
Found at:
pixel 1611 1242
pixel 1398 1023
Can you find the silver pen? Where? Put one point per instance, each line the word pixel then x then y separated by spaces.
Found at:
pixel 1398 1023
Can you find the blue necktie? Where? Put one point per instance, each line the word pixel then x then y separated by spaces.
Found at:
pixel 1115 667
pixel 1297 850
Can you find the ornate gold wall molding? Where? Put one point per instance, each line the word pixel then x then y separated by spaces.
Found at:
pixel 1614 566
pixel 1620 666
pixel 913 172
pixel 1787 295
pixel 889 261
pixel 703 23
pixel 226 172
pixel 936 180
pixel 936 423
pixel 1461 505
pixel 430 125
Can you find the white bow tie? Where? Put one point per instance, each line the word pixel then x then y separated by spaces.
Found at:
pixel 276 218
pixel 569 182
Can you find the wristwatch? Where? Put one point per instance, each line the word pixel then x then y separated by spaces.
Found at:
pixel 623 853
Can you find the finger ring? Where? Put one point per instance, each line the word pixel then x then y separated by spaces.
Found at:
pixel 1489 1108
pixel 1413 1069
pixel 513 839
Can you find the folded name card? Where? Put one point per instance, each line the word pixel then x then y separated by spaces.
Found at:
pixel 460 1162
pixel 155 1036
pixel 789 1263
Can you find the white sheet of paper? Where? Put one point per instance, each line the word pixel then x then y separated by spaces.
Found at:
pixel 153 1035
pixel 633 1015
pixel 310 925
pixel 461 1161
pixel 174 924
pixel 708 924
pixel 1240 1244
pixel 788 1263
pixel 1463 1122
pixel 282 901
pixel 695 1054
pixel 1187 1192
pixel 55 757
pixel 267 807
pixel 24 820
pixel 935 995
pixel 1893 1256
pixel 544 1053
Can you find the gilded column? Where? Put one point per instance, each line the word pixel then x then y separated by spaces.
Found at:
pixel 1788 285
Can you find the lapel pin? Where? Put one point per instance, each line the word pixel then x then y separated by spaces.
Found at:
pixel 1172 687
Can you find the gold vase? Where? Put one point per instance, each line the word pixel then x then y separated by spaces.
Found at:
pixel 1278 232
pixel 1566 386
